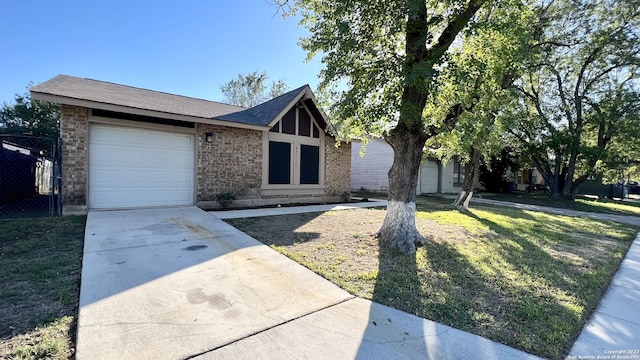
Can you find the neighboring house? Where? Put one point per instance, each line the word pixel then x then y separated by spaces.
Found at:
pixel 371 171
pixel 23 173
pixel 526 178
pixel 126 147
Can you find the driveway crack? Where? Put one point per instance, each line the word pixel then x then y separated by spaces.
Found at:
pixel 269 328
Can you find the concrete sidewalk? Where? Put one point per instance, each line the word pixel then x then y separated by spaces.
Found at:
pixel 287 210
pixel 179 283
pixel 624 219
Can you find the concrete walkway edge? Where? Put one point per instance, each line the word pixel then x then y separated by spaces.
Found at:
pixel 287 210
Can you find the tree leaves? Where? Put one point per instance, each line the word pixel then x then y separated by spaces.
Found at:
pixel 582 75
pixel 252 89
pixel 31 117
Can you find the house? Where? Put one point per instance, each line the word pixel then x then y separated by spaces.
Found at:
pixel 126 147
pixel 528 179
pixel 24 172
pixel 370 172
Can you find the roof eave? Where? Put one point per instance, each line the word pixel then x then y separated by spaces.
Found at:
pixel 35 95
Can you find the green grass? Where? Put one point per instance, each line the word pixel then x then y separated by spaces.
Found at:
pixel 525 279
pixel 41 263
pixel 531 264
pixel 606 206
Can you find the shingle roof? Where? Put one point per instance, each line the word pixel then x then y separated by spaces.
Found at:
pixel 71 87
pixel 266 112
pixel 110 93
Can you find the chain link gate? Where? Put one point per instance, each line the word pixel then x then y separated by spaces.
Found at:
pixel 30 179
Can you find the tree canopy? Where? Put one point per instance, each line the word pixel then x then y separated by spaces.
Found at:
pixel 252 89
pixel 31 117
pixel 580 97
pixel 388 56
pixel 474 92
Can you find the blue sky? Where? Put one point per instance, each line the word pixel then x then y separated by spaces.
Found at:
pixel 182 47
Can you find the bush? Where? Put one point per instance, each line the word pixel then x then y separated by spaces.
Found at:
pixel 225 199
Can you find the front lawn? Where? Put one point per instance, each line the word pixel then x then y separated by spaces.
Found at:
pixel 525 279
pixel 40 263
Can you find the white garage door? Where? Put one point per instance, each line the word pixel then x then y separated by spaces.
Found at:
pixel 429 177
pixel 130 167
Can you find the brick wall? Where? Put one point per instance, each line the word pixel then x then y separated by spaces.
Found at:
pixel 74 127
pixel 231 163
pixel 337 167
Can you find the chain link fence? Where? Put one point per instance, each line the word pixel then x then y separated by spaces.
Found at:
pixel 29 177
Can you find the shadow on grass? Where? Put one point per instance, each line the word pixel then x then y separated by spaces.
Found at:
pixel 284 234
pixel 520 278
pixel 550 295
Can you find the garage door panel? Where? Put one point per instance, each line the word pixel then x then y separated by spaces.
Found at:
pixel 429 177
pixel 176 180
pixel 166 159
pixel 156 140
pixel 105 155
pixel 133 137
pixel 184 142
pixel 138 167
pixel 102 135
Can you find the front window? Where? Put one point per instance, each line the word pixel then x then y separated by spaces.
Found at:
pixel 279 162
pixel 295 150
pixel 309 164
pixel 458 172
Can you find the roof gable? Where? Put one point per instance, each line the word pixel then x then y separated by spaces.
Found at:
pixel 269 112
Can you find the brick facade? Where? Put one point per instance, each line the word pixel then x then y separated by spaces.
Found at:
pixel 337 167
pixel 74 127
pixel 232 162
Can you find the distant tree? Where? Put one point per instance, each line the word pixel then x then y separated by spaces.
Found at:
pixel 494 173
pixel 476 88
pixel 252 89
pixel 30 117
pixel 580 95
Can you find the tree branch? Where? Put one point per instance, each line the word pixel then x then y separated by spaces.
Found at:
pixel 455 25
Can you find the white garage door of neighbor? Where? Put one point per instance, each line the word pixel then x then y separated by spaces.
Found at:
pixel 130 167
pixel 429 177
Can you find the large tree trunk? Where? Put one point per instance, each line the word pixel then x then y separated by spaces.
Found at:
pixel 471 171
pixel 567 188
pixel 399 227
pixel 409 136
pixel 555 187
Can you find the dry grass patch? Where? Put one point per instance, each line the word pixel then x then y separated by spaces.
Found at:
pixel 40 261
pixel 525 279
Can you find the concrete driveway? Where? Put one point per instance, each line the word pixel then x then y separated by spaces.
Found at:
pixel 179 283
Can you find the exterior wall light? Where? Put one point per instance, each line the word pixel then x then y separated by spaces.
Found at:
pixel 208 137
